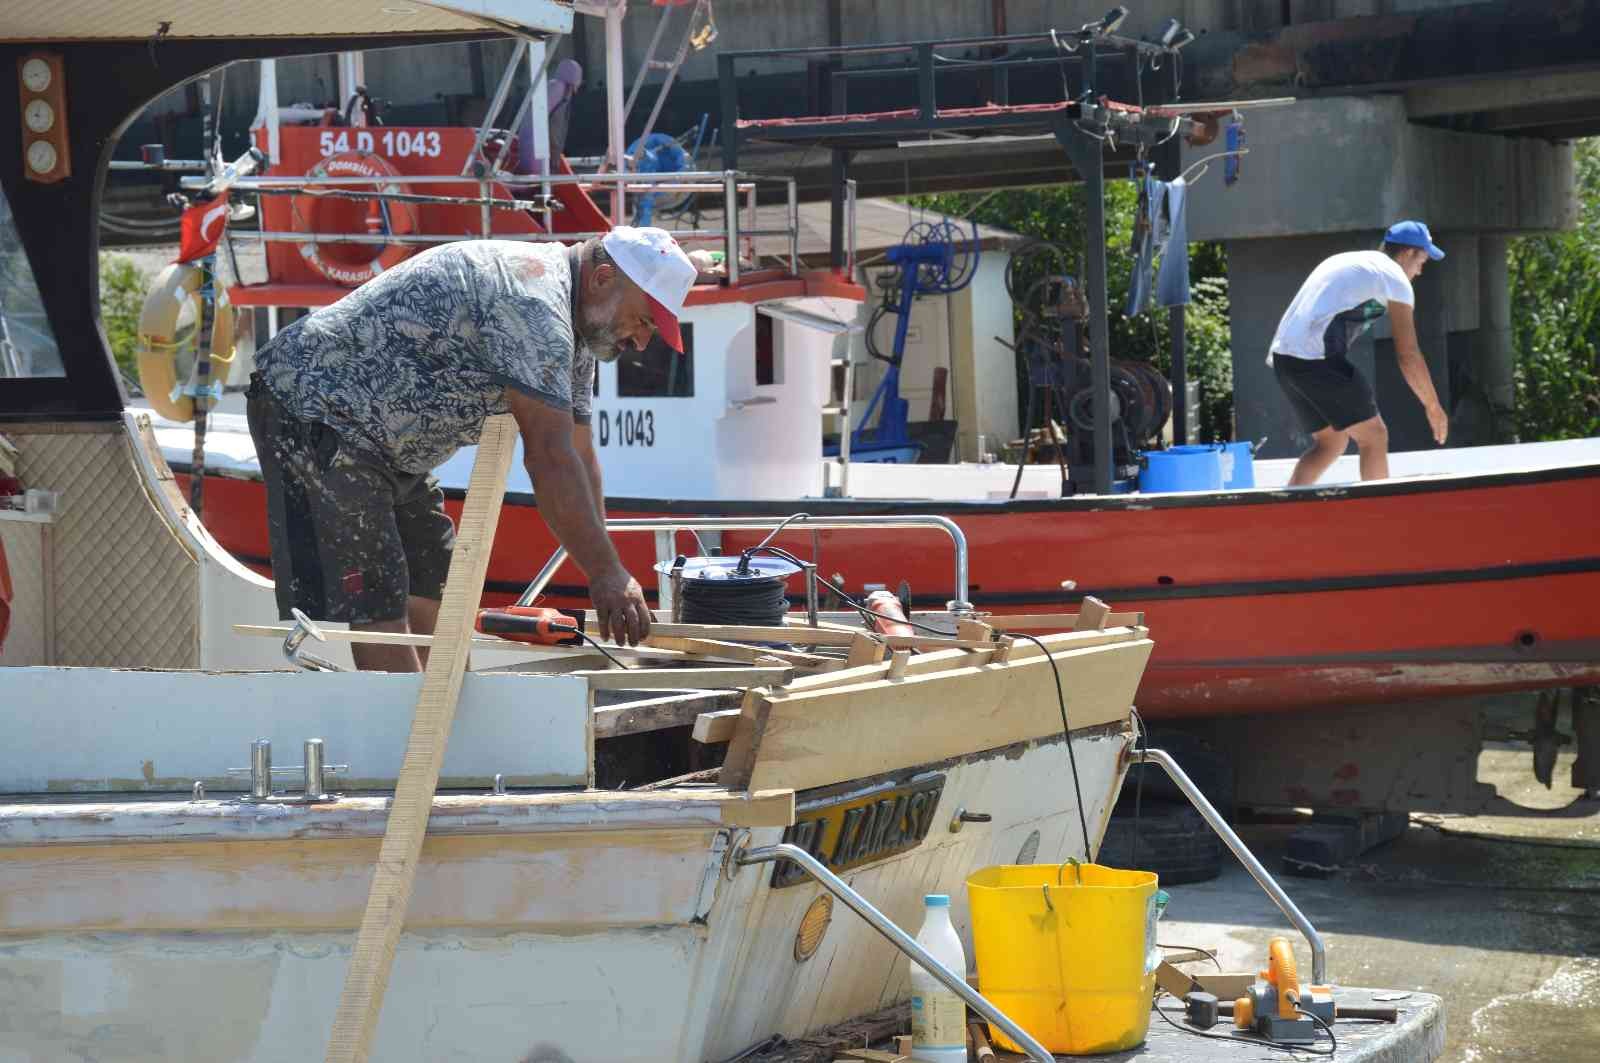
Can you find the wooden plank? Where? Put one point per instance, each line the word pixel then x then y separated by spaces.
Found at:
pixel 865 649
pixel 1092 616
pixel 655 714
pixel 820 737
pixel 961 658
pixel 677 678
pixel 897 664
pixel 356 1021
pixel 740 758
pixel 736 651
pixel 716 726
pixel 1057 621
pixel 763 808
pixel 796 633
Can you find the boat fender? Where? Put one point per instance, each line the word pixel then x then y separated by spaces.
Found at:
pixel 312 215
pixel 178 285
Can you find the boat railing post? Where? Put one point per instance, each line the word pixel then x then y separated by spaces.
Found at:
pixel 794 226
pixel 542 580
pixel 1319 952
pixel 666 550
pixel 955 981
pixel 730 213
pixel 850 228
pixel 498 102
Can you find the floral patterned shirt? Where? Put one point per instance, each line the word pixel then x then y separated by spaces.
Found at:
pixel 410 364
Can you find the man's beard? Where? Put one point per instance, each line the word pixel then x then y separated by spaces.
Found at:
pixel 597 327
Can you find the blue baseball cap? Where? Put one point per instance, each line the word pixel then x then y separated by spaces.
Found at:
pixel 1413 234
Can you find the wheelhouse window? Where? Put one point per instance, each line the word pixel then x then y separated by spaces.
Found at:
pixel 658 371
pixel 27 343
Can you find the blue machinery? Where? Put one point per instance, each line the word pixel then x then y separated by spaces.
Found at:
pixel 934 259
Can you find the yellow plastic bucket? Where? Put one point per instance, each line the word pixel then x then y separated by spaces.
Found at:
pixel 1065 952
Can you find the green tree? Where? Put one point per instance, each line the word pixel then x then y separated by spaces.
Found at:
pixel 1057 214
pixel 122 292
pixel 1555 318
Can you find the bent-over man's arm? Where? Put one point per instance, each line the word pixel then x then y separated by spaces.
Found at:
pixel 562 488
pixel 583 443
pixel 1415 368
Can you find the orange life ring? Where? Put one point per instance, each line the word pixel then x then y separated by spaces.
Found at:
pixel 352 264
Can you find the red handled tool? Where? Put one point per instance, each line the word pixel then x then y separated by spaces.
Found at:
pixel 534 624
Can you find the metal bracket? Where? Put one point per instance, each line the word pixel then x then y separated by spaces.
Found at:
pixel 304 626
pixel 313 772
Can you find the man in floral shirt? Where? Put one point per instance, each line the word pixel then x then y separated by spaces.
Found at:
pixel 352 405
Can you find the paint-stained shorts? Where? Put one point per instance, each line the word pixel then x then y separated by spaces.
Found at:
pixel 351 537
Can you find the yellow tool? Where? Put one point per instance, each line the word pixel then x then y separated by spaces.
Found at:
pixel 1277 1006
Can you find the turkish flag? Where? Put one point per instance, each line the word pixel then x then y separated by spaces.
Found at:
pixel 202 227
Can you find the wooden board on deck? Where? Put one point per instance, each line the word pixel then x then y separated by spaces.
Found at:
pixel 801 739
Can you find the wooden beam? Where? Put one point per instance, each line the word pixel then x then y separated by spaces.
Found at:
pixel 356 1021
pixel 716 726
pixel 763 808
pixel 677 678
pixel 865 649
pixel 736 651
pixel 820 737
pixel 740 758
pixel 655 714
pixel 1057 621
pixel 1093 615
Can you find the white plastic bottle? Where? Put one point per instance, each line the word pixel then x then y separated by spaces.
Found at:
pixel 938 1016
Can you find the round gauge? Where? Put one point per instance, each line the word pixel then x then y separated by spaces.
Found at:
pixel 39 115
pixel 41 156
pixel 36 75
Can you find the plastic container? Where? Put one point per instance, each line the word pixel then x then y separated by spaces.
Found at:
pixel 1067 952
pixel 1191 467
pixel 938 1016
pixel 1238 466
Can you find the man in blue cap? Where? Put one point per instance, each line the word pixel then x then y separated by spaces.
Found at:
pixel 1337 303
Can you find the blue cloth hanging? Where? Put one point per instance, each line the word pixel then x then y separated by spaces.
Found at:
pixel 1145 245
pixel 1172 283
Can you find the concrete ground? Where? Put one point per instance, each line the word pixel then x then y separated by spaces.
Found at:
pixel 1499 914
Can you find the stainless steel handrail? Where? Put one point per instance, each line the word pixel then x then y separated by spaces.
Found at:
pixel 1319 952
pixel 958 538
pixel 954 981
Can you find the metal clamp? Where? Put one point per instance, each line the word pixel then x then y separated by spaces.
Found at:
pixel 963 817
pixel 313 772
pixel 304 626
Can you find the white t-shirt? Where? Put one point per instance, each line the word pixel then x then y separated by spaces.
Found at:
pixel 1356 285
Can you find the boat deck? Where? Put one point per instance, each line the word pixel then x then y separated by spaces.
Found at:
pixel 1418 1037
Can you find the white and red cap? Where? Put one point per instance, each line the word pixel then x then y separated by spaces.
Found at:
pixel 652 259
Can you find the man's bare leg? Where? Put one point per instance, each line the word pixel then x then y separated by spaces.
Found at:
pixel 1372 439
pixel 423 614
pixel 385 658
pixel 1326 446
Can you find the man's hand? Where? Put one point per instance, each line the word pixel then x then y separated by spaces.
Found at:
pixel 1439 421
pixel 620 607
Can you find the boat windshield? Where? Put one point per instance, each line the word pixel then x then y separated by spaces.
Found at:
pixel 27 343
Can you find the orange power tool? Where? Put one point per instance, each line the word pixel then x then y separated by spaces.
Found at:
pixel 534 624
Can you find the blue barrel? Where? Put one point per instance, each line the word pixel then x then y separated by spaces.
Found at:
pixel 1238 466
pixel 1185 468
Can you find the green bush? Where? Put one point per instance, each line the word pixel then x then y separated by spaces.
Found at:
pixel 122 290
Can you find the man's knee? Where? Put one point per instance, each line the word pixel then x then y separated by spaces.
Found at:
pixel 1370 434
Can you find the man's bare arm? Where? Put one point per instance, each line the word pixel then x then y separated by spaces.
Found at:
pixel 1415 368
pixel 583 443
pixel 562 489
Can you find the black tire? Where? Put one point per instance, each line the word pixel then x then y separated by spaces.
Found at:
pixel 1210 770
pixel 1175 842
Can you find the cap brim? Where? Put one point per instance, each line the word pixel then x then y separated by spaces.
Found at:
pixel 1434 252
pixel 666 324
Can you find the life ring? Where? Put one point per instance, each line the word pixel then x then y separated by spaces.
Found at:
pixel 176 286
pixel 348 264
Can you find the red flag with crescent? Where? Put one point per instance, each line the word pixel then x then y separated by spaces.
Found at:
pixel 202 228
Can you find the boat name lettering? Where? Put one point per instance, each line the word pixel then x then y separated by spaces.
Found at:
pixel 394 143
pixel 862 828
pixel 631 428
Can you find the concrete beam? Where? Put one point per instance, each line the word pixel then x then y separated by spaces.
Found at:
pixel 1501 93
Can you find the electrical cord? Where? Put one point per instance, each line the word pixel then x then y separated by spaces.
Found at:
pixel 585 636
pixel 1235 1038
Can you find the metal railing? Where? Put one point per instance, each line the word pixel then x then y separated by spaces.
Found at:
pixel 668 527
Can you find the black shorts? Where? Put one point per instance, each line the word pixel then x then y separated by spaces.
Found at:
pixel 351 537
pixel 1325 391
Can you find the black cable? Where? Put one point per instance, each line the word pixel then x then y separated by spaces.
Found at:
pixel 1212 956
pixel 1326 1028
pixel 774 533
pixel 1066 735
pixel 755 602
pixel 1234 1038
pixel 584 635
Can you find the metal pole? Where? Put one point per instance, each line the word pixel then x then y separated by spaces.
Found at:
pixel 315 789
pixel 953 981
pixel 614 116
pixel 1264 879
pixel 730 211
pixel 261 769
pixel 498 102
pixel 644 67
pixel 794 227
pixel 1085 153
pixel 728 90
pixel 1180 376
